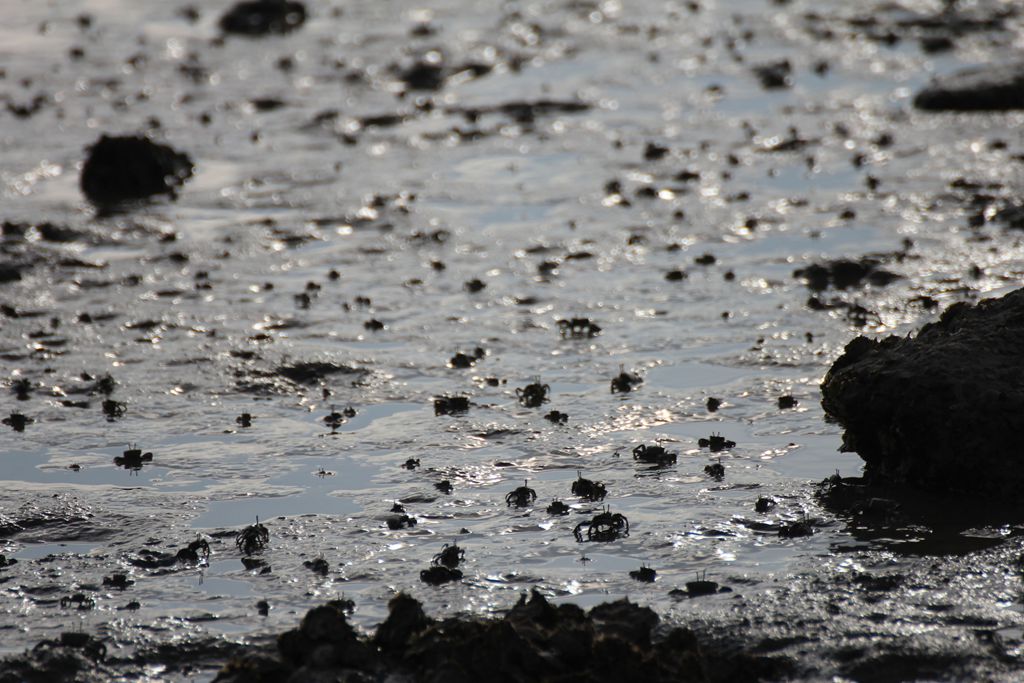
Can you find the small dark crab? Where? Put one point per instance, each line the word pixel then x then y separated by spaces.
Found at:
pixel 557 417
pixel 190 554
pixel 578 328
pixel 557 507
pixel 450 556
pixel 400 522
pixel 438 575
pixel 17 421
pixel 645 574
pixel 588 489
pixel 522 496
pixel 466 360
pixel 252 538
pixel 133 458
pixel 655 455
pixel 715 470
pixel 334 419
pixel 716 442
pixel 533 395
pixel 605 526
pixel 450 405
pixel 625 382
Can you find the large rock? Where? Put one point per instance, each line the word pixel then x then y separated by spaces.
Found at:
pixel 942 410
pixel 985 88
pixel 125 168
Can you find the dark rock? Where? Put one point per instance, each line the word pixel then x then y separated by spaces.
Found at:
pixel 776 75
pixel 845 274
pixel 262 17
pixel 405 619
pixel 984 88
pixel 939 410
pixel 120 169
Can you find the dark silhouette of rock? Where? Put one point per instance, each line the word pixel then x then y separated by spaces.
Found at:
pixel 984 88
pixel 845 274
pixel 263 17
pixel 126 168
pixel 940 410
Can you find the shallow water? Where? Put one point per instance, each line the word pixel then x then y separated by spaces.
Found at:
pixel 280 199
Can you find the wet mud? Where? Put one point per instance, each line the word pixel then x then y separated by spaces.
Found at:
pixel 295 299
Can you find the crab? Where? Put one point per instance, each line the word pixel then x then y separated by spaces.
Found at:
pixel 557 507
pixel 522 496
pixel 466 360
pixel 450 405
pixel 787 402
pixel 625 382
pixel 716 442
pixel 645 574
pixel 317 566
pixel 715 470
pixel 411 464
pixel 113 409
pixel 605 526
pixel 334 419
pixel 588 489
pixel 656 455
pixel 435 576
pixel 118 581
pixel 400 522
pixel 444 486
pixel 557 417
pixel 190 553
pixel 79 600
pixel 450 556
pixel 764 504
pixel 701 586
pixel 252 538
pixel 533 395
pixel 133 458
pixel 578 328
pixel 244 420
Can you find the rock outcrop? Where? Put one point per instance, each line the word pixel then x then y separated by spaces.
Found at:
pixel 940 410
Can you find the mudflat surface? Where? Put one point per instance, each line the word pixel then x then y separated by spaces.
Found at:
pixel 652 167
